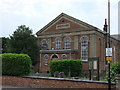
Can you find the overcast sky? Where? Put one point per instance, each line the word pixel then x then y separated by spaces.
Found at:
pixel 37 13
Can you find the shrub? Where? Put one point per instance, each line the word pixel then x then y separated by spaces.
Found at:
pixel 84 74
pixel 68 66
pixel 115 69
pixel 16 64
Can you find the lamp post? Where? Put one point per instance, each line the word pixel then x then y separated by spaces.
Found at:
pixel 108 45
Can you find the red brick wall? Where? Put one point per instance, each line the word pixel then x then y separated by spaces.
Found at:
pixel 28 82
pixel 100 50
pixel 72 26
pixel 46 68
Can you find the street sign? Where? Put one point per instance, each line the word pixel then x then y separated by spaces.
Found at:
pixel 108 58
pixel 109 52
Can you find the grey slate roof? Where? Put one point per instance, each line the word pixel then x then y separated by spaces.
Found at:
pixel 116 36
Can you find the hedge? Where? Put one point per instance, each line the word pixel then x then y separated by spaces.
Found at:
pixel 68 66
pixel 115 69
pixel 16 64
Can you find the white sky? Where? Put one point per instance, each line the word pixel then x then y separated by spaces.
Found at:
pixel 37 13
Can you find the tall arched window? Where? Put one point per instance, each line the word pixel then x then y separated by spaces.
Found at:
pixel 46 57
pixel 58 44
pixel 84 48
pixel 67 44
pixel 44 44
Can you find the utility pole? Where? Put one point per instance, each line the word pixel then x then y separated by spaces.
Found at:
pixel 108 46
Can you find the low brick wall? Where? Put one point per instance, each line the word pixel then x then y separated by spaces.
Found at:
pixel 118 82
pixel 45 82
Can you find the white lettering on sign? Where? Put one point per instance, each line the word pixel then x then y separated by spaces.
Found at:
pixel 109 52
pixel 63 26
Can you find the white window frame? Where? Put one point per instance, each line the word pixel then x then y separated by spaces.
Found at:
pixel 84 48
pixel 53 55
pixel 58 43
pixel 64 55
pixel 42 45
pixel 67 43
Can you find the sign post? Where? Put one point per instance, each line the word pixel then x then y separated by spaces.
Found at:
pixel 108 51
pixel 109 59
pixel 108 54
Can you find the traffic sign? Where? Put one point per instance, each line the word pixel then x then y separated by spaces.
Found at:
pixel 109 52
pixel 108 58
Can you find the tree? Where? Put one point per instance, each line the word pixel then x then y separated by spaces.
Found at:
pixel 5 45
pixel 23 41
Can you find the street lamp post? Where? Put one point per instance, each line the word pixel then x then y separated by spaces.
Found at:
pixel 108 46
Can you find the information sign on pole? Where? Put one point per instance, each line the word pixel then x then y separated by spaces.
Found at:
pixel 109 54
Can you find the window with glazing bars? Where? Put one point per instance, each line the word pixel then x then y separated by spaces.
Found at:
pixel 84 48
pixel 67 43
pixel 58 44
pixel 44 44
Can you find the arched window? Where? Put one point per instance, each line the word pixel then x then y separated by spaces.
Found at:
pixel 46 57
pixel 67 44
pixel 84 48
pixel 58 44
pixel 54 57
pixel 64 56
pixel 44 44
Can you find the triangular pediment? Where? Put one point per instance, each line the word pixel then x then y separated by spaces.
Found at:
pixel 64 22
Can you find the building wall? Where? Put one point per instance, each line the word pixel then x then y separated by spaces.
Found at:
pixel 96 49
pixel 42 82
pixel 63 20
pixel 96 41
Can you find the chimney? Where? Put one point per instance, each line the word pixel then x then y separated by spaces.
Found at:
pixel 105 26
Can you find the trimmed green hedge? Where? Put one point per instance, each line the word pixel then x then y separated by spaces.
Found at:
pixel 115 69
pixel 16 64
pixel 70 67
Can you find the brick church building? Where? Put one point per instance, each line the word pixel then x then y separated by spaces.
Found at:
pixel 66 37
